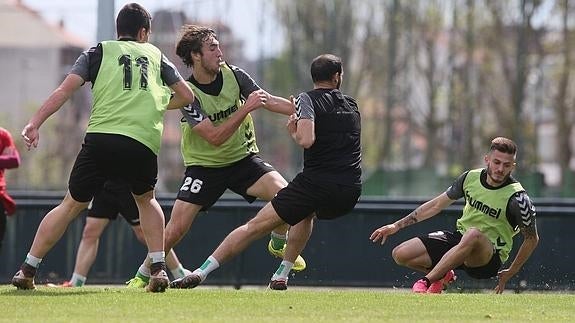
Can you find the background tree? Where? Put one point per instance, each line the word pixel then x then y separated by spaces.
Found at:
pixel 564 108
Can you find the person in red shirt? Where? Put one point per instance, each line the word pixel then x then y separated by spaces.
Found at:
pixel 9 158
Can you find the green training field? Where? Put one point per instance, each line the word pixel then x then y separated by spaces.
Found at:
pixel 207 304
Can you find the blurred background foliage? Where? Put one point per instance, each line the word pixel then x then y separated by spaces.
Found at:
pixel 435 81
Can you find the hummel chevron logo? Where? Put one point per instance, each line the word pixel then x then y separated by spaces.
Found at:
pixel 193 113
pixel 297 107
pixel 524 207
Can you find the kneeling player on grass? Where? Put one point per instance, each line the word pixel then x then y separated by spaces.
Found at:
pixel 496 208
pixel 328 127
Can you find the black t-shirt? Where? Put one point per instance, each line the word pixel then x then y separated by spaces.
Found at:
pixel 335 155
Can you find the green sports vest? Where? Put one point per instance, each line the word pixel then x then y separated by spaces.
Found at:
pixel 196 151
pixel 485 209
pixel 129 96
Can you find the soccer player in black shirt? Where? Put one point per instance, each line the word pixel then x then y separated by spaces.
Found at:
pixel 327 125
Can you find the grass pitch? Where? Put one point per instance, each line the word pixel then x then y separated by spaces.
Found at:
pixel 208 304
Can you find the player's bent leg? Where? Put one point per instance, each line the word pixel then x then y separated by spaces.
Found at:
pixel 412 254
pixel 152 223
pixel 151 220
pixel 299 235
pixel 240 238
pixel 50 230
pixel 297 239
pixel 266 188
pixel 181 219
pixel 54 224
pixel 88 248
pixel 234 243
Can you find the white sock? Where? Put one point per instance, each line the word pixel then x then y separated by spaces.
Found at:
pixel 207 267
pixel 158 256
pixel 77 280
pixel 32 261
pixel 283 270
pixel 180 271
pixel 144 270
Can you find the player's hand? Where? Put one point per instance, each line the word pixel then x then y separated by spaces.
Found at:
pixel 503 276
pixel 291 124
pixel 383 232
pixel 31 136
pixel 256 100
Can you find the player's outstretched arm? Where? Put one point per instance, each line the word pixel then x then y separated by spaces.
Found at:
pixel 530 241
pixel 523 211
pixel 217 135
pixel 279 105
pixel 423 212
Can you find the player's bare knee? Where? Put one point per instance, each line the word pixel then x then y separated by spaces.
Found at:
pixel 398 256
pixel 471 236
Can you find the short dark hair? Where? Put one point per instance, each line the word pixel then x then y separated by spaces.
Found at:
pixel 131 18
pixel 324 67
pixel 503 145
pixel 190 41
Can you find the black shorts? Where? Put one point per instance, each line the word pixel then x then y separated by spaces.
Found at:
pixel 111 201
pixel 205 185
pixel 111 156
pixel 438 243
pixel 304 197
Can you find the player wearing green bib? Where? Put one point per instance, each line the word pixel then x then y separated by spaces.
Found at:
pixel 496 208
pixel 218 140
pixel 123 136
pixel 327 125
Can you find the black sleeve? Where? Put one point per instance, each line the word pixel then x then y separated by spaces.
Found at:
pixel 193 113
pixel 304 107
pixel 88 64
pixel 455 191
pixel 245 81
pixel 520 211
pixel 94 62
pixel 169 72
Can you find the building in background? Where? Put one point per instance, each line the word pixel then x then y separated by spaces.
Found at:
pixel 35 58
